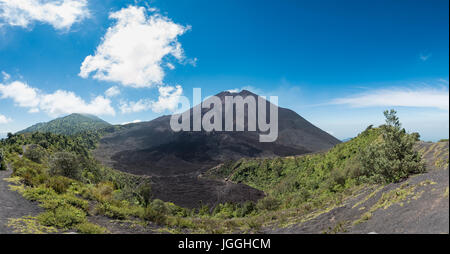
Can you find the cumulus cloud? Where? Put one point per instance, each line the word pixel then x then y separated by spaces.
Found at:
pixel 61 14
pixel 168 99
pixel 22 94
pixel 4 119
pixel 112 91
pixel 135 50
pixel 55 104
pixel 424 97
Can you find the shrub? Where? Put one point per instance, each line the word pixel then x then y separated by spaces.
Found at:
pixel 35 153
pixel 269 203
pixel 154 215
pixel 393 158
pixel 121 210
pixel 103 191
pixel 246 209
pixel 90 228
pixel 65 164
pixel 59 183
pixel 64 217
pixel 145 193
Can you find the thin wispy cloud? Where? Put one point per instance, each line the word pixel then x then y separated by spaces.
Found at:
pixel 6 76
pixel 425 56
pixel 4 119
pixel 54 104
pixel 61 14
pixel 400 97
pixel 134 121
pixel 112 91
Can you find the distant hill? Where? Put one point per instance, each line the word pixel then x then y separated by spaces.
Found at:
pixel 69 125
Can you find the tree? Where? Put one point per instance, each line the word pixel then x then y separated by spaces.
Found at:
pixel 392 158
pixel 65 164
pixel 2 160
pixel 35 153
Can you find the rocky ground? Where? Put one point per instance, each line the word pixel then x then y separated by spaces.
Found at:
pixel 12 204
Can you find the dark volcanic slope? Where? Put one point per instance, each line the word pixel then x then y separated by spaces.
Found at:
pixel 152 148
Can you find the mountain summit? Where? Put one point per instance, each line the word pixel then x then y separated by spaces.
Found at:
pixel 69 125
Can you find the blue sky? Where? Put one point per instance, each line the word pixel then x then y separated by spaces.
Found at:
pixel 339 64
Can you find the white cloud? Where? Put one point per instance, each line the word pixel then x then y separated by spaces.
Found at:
pixel 134 50
pixel 54 104
pixel 425 97
pixel 4 119
pixel 61 14
pixel 135 121
pixel 168 99
pixel 112 91
pixel 235 90
pixel 22 94
pixel 170 66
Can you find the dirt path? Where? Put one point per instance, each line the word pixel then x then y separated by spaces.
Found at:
pixel 12 204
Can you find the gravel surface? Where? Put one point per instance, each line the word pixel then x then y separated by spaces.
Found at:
pixel 13 205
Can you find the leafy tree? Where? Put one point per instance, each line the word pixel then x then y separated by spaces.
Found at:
pixel 392 157
pixel 145 193
pixel 66 164
pixel 35 153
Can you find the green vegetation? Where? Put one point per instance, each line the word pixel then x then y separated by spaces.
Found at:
pixel 69 125
pixel 393 158
pixel 320 181
pixel 59 172
pixel 2 160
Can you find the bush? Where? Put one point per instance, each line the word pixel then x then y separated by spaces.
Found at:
pixel 90 228
pixel 392 158
pixel 145 193
pixel 268 203
pixel 60 184
pixel 154 215
pixel 65 164
pixel 119 210
pixel 246 209
pixel 103 191
pixel 35 153
pixel 64 217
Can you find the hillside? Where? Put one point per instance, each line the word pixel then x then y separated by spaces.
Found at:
pixel 175 160
pixel 325 192
pixel 384 181
pixel 69 125
pixel 317 193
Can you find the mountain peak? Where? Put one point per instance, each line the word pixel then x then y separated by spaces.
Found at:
pixel 243 93
pixel 69 125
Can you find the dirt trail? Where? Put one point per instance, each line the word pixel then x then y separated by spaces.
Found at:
pixel 12 204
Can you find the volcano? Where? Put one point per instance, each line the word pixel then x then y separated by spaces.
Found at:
pixel 175 160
